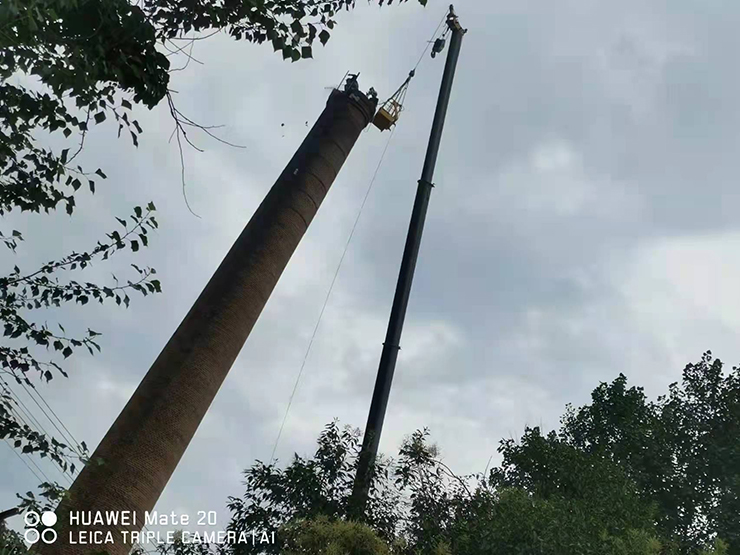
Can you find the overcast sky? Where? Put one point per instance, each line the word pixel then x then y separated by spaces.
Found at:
pixel 583 224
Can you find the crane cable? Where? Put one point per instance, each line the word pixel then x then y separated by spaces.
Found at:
pixel 401 91
pixel 436 31
pixel 346 246
pixel 328 294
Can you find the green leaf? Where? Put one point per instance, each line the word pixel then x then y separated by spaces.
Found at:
pixel 67 131
pixel 324 36
pixel 100 117
pixel 296 27
pixel 101 174
pixel 134 245
pixel 65 153
pixel 306 52
pixel 150 207
pixel 67 352
pixel 126 104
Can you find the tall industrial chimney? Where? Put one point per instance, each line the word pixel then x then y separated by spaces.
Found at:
pixel 147 440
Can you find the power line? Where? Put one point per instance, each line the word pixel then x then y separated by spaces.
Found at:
pixel 328 294
pixel 69 438
pixel 20 405
pixel 23 461
pixel 15 395
pixel 32 462
pixel 29 414
pixel 33 419
pixel 48 480
pixel 59 469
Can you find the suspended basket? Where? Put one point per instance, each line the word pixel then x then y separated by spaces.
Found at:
pixel 389 112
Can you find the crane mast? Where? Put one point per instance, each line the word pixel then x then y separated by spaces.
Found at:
pixel 392 344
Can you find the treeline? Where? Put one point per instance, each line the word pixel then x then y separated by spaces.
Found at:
pixel 623 475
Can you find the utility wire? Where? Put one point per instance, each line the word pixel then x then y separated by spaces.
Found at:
pixel 68 437
pixel 23 461
pixel 328 294
pixel 32 462
pixel 32 418
pixel 71 436
pixel 21 407
pixel 20 418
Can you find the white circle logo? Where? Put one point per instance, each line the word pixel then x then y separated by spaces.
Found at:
pixel 31 518
pixel 47 535
pixel 31 536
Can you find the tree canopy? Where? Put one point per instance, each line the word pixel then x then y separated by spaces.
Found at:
pixel 623 475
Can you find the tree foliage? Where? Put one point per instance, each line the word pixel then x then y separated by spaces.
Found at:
pixel 34 347
pixel 96 57
pixel 11 542
pixel 681 450
pixel 622 476
pixel 310 488
pixel 435 511
pixel 322 536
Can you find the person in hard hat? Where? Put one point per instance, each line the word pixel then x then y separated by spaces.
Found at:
pixel 351 84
